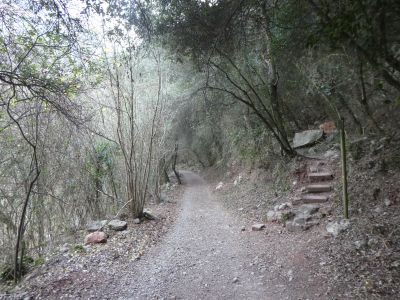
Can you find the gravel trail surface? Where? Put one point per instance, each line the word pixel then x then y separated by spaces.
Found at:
pixel 208 253
pixel 208 256
pixel 203 257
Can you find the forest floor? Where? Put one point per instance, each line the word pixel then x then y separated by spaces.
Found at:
pixel 363 261
pixel 204 248
pixel 205 255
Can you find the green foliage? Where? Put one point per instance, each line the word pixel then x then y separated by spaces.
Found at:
pixel 7 272
pixel 352 19
pixel 40 58
pixel 249 143
pixel 101 160
pixel 28 260
pixel 104 152
pixel 39 261
pixel 235 136
pixel 286 216
pixel 290 30
pixel 79 249
pixel 248 153
pixel 241 136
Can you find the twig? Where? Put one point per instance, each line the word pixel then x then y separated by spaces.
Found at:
pixel 108 195
pixel 123 206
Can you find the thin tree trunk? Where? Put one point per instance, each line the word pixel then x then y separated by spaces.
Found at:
pixel 20 234
pixel 177 175
pixel 98 187
pixel 34 173
pixel 163 171
pixel 344 169
pixel 273 86
pixel 364 98
pixel 351 113
pixel 39 212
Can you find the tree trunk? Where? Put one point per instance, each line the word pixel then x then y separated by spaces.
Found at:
pixel 163 171
pixel 21 227
pixel 363 97
pixel 177 175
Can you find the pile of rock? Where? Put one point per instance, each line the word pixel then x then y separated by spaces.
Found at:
pixel 96 230
pixel 296 219
pixel 304 217
pixel 94 226
pixel 117 225
pixel 280 213
pixel 336 227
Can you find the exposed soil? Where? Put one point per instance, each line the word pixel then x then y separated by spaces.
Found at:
pixel 210 251
pixel 205 255
pixel 363 262
pixel 75 271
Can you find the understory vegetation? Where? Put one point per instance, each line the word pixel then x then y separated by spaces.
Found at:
pixel 99 98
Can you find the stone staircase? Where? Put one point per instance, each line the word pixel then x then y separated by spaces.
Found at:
pixel 319 188
pixel 313 200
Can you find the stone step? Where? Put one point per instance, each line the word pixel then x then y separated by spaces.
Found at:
pixel 320 176
pixel 311 199
pixel 318 188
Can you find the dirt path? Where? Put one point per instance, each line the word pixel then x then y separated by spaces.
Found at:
pixel 201 256
pixel 206 256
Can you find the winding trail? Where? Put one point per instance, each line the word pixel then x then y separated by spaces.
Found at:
pixel 200 257
pixel 206 255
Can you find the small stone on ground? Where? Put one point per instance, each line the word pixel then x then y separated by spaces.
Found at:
pixel 258 227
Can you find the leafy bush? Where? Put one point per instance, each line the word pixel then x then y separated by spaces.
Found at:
pixel 79 249
pixel 7 272
pixel 39 261
pixel 248 153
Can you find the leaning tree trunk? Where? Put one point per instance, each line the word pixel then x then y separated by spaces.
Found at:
pixel 273 88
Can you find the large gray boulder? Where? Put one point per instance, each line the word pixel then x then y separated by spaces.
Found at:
pixel 279 216
pixel 308 209
pixel 307 138
pixel 149 215
pixel 303 218
pixel 296 225
pixel 93 226
pixel 335 228
pixel 273 216
pixel 117 225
